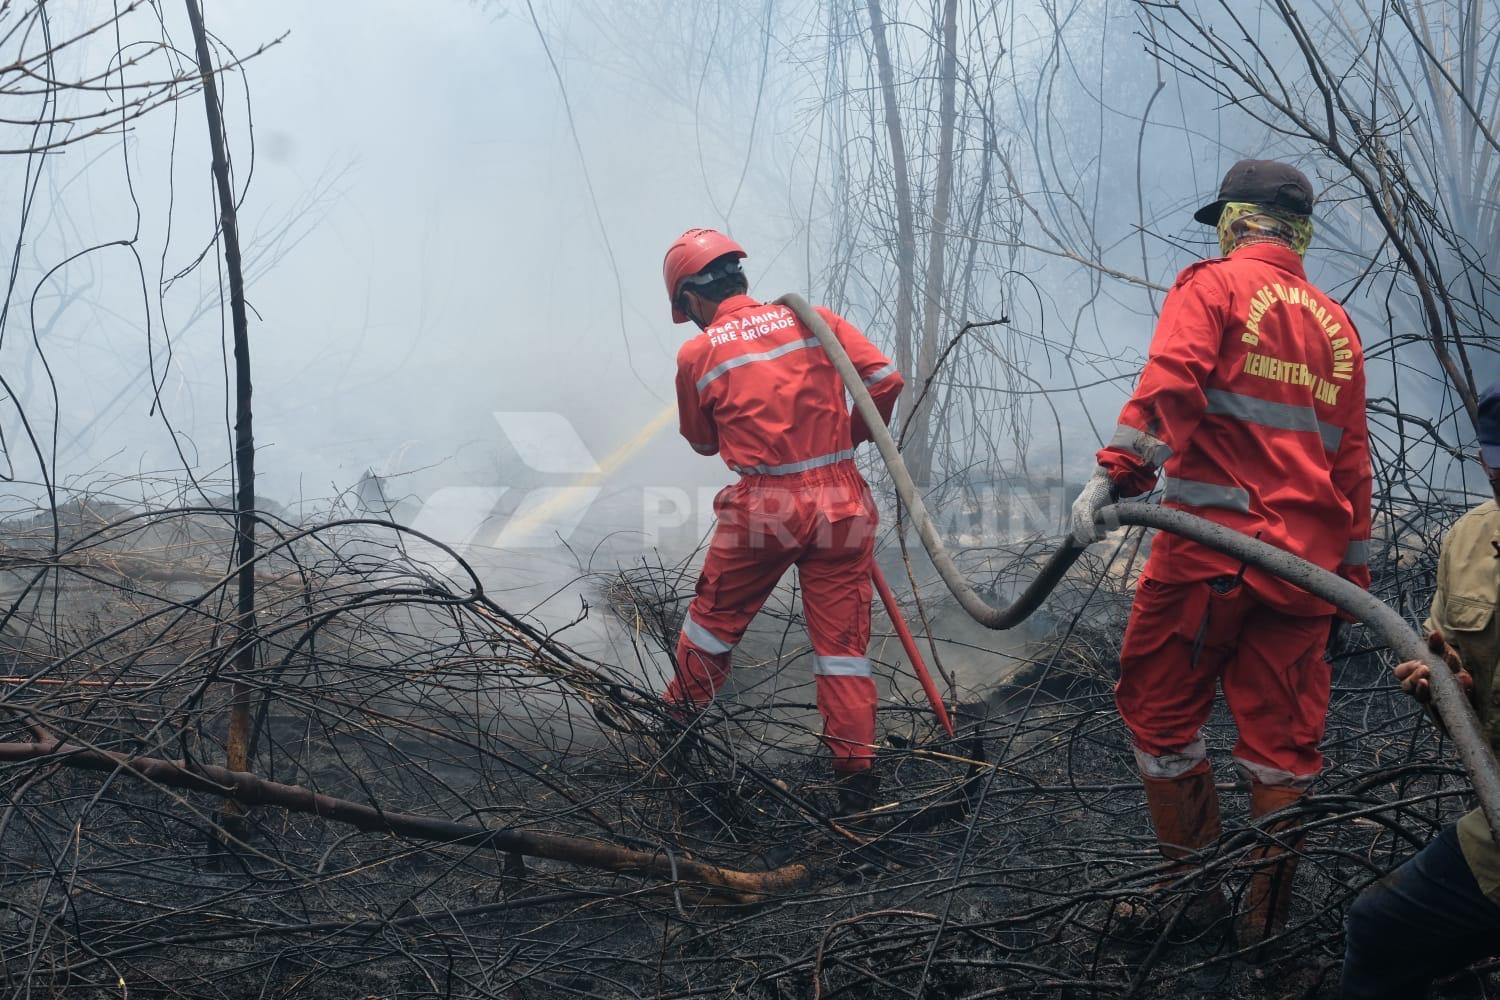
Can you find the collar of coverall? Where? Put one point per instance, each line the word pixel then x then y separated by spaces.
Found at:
pixel 1275 254
pixel 731 304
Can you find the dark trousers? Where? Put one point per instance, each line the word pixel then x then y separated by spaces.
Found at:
pixel 1424 920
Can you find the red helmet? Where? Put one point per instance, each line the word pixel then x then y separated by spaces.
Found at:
pixel 692 252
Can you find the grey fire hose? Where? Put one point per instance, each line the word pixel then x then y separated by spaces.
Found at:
pixel 1448 700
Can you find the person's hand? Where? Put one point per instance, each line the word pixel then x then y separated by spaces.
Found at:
pixel 1416 677
pixel 1098 493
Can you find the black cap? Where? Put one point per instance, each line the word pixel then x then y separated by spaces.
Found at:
pixel 1489 426
pixel 1263 182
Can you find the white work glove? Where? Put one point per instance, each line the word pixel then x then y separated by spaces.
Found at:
pixel 1098 493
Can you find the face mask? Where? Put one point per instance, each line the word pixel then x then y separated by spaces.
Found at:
pixel 1242 223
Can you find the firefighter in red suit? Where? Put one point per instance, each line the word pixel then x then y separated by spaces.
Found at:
pixel 755 388
pixel 1252 407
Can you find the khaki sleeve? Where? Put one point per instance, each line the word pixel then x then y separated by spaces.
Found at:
pixel 1435 614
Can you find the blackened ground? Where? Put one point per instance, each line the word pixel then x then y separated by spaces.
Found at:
pixel 986 874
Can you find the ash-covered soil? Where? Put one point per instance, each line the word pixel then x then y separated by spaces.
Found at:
pixel 992 867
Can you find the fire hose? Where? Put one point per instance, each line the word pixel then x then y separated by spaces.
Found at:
pixel 1448 700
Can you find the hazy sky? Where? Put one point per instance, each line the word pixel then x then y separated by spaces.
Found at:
pixel 425 252
pixel 423 243
pixel 423 247
pixel 458 266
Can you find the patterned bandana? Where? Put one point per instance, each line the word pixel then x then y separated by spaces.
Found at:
pixel 1242 223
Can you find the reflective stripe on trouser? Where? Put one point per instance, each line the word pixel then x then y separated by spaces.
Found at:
pixel 704 639
pixel 842 666
pixel 1273 776
pixel 1184 640
pixel 1172 764
pixel 824 524
pixel 1357 553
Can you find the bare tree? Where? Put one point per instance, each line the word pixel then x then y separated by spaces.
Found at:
pixel 1399 105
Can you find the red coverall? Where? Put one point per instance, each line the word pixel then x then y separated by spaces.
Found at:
pixel 756 388
pixel 1252 403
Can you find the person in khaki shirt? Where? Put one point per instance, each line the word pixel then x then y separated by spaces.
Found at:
pixel 1464 615
pixel 1440 911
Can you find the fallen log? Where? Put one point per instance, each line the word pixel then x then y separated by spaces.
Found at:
pixel 249 789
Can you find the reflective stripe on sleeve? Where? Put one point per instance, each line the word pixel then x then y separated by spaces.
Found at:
pixel 1199 494
pixel 1267 413
pixel 745 359
pixel 1358 552
pixel 842 666
pixel 880 374
pixel 1148 447
pixel 703 638
pixel 792 468
pixel 703 449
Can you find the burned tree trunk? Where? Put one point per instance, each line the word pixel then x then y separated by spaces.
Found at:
pixel 238 743
pixel 906 239
pixel 920 435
